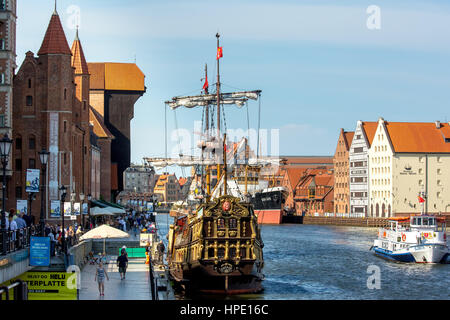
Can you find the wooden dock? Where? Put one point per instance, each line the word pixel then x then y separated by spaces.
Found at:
pixel 351 222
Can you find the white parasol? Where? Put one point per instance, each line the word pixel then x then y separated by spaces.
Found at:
pixel 104 232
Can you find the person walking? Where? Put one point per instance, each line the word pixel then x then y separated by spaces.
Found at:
pixel 122 263
pixel 161 248
pixel 100 278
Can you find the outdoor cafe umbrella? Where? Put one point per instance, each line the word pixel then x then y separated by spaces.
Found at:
pixel 104 232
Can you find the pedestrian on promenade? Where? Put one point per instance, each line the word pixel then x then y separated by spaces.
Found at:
pixel 122 263
pixel 100 278
pixel 161 248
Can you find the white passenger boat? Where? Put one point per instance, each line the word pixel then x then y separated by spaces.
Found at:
pixel 422 240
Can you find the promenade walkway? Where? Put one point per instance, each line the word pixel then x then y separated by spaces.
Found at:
pixel 136 286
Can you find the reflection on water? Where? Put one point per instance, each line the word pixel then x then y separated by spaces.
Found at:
pixel 328 262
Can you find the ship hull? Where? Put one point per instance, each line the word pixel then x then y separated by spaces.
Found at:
pixel 204 278
pixel 419 254
pixel 269 216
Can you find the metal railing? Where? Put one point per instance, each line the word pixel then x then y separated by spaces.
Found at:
pixel 16 240
pixel 20 291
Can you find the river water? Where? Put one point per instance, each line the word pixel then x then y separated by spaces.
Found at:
pixel 309 262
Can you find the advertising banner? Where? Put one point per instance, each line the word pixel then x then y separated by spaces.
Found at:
pixel 48 285
pixel 40 251
pixel 22 206
pixel 55 211
pixel 150 206
pixel 85 208
pixel 67 209
pixel 32 183
pixel 77 208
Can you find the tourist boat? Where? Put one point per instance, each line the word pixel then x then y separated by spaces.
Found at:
pixel 217 247
pixel 420 239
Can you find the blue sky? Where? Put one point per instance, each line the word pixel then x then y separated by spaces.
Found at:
pixel 319 67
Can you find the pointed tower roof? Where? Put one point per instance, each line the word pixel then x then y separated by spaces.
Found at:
pixel 78 59
pixel 55 41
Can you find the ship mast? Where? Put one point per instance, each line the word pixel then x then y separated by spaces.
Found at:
pixel 208 172
pixel 218 105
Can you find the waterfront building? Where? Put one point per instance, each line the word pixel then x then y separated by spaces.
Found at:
pixel 167 188
pixel 51 99
pixel 8 65
pixel 359 168
pixel 405 159
pixel 114 90
pixel 139 178
pixel 341 173
pixel 314 193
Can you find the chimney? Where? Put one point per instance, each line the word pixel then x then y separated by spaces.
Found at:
pixel 438 124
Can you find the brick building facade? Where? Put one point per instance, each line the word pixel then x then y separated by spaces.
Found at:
pixel 341 173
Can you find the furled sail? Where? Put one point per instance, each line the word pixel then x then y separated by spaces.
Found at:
pixel 234 98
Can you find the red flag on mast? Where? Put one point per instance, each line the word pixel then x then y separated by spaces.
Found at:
pixel 219 53
pixel 206 85
pixel 421 200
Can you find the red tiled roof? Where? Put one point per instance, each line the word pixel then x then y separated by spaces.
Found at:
pixel 348 136
pixel 294 175
pixel 370 128
pixel 100 128
pixel 55 41
pixel 419 137
pixel 182 181
pixel 78 59
pixel 116 76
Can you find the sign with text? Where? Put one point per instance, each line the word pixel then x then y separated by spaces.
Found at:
pixel 32 183
pixel 49 285
pixel 40 251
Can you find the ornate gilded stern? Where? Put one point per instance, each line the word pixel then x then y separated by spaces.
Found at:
pixel 226 206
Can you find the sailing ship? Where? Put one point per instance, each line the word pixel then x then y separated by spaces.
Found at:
pixel 218 247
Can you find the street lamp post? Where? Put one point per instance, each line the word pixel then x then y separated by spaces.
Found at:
pixel 89 209
pixel 82 213
pixel 43 155
pixel 5 149
pixel 63 190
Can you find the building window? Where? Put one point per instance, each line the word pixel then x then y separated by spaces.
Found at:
pixel 18 143
pixel 2 121
pixel 2 44
pixel 65 126
pixel 29 83
pixel 32 143
pixel 2 78
pixel 29 101
pixel 358 150
pixel 18 164
pixel 18 192
pixel 31 163
pixel 65 94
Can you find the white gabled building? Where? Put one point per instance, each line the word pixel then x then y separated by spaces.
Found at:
pixel 359 168
pixel 407 158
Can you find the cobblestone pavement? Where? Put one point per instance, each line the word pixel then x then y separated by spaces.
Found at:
pixel 136 285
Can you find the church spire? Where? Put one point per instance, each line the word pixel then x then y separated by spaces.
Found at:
pixel 78 58
pixel 56 11
pixel 55 41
